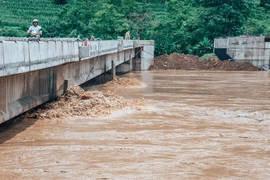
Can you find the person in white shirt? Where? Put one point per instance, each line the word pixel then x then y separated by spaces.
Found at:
pixel 35 29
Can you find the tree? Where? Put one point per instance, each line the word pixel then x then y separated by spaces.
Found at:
pixel 170 34
pixel 137 16
pixel 139 24
pixel 204 47
pixel 60 2
pixel 75 17
pixel 107 23
pixel 265 3
pixel 225 17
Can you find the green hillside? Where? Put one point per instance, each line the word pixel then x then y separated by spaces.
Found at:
pixel 16 15
pixel 176 25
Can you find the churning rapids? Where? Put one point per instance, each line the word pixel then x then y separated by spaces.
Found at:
pixel 198 125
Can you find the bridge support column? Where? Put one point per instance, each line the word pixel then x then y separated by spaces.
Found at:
pixel 67 83
pixel 147 57
pixel 3 98
pixel 113 70
pixel 130 63
pixel 267 55
pixel 124 68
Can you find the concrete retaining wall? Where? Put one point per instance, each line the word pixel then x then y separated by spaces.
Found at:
pixel 246 49
pixel 220 43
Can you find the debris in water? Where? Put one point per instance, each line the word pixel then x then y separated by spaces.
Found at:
pixel 117 81
pixel 77 102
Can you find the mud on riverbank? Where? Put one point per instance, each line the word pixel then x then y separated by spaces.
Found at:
pixel 189 62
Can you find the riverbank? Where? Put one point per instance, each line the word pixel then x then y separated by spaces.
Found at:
pixel 177 61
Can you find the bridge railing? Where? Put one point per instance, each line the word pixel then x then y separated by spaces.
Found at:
pixel 97 48
pixel 22 56
pixel 3 38
pixel 18 55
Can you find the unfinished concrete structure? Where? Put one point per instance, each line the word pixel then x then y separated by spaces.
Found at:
pixel 32 73
pixel 244 49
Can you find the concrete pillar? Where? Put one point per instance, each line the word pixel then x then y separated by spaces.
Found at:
pixel 3 99
pixel 67 83
pixel 136 61
pixel 267 58
pixel 130 62
pixel 136 64
pixel 267 54
pixel 123 68
pixel 104 64
pixel 113 70
pixel 147 57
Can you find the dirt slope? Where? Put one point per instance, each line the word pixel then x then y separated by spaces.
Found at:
pixel 189 62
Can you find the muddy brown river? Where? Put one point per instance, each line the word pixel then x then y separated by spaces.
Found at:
pixel 198 125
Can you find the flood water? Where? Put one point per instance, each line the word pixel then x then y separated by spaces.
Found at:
pixel 198 125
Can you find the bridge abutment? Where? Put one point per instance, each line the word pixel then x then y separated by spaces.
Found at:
pixel 255 50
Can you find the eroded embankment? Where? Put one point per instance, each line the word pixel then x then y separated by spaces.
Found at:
pixel 189 62
pixel 78 102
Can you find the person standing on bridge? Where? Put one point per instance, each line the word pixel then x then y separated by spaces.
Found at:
pixel 92 38
pixel 127 35
pixel 35 29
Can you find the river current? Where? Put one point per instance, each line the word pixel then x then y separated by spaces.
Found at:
pixel 197 125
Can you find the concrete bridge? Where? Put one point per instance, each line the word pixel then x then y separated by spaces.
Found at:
pixel 32 73
pixel 244 49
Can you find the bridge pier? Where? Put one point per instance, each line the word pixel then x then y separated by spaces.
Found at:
pixel 124 68
pixel 67 83
pixel 113 70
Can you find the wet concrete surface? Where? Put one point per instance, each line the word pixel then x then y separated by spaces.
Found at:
pixel 198 125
